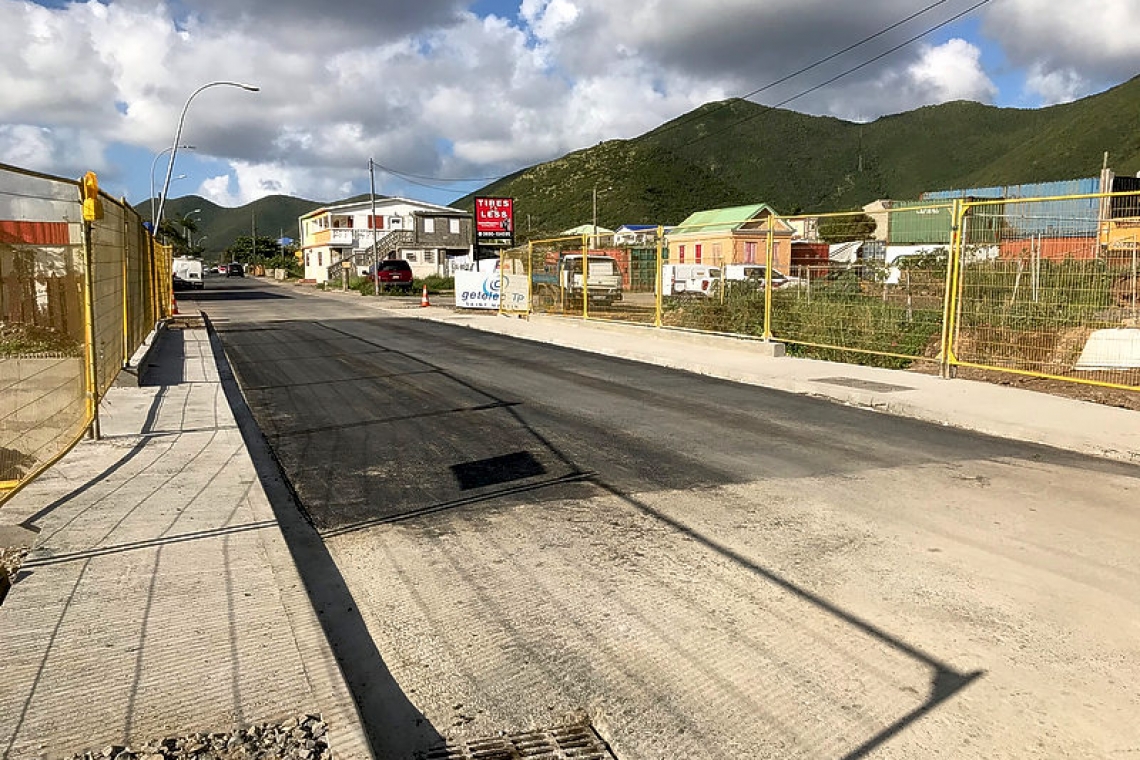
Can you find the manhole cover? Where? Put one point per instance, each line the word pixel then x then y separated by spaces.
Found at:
pixel 565 743
pixel 865 385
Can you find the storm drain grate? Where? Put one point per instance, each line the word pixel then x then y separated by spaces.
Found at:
pixel 564 743
pixel 864 385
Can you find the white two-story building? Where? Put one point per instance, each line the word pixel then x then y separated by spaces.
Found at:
pixel 427 236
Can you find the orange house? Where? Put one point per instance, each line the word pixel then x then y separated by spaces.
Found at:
pixel 737 235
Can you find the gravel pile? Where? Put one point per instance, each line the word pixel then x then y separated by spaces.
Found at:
pixel 10 560
pixel 304 738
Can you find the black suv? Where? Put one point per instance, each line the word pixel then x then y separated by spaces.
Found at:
pixel 235 270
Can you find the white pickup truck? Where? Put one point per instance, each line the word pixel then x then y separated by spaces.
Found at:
pixel 604 286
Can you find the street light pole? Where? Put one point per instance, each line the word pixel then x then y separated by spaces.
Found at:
pixel 178 135
pixel 163 152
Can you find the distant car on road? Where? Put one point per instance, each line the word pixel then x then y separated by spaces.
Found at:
pixel 235 269
pixel 394 272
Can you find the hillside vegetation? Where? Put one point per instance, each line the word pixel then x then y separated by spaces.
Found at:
pixel 737 152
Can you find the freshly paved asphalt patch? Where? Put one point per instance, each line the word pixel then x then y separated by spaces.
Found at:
pixel 537 537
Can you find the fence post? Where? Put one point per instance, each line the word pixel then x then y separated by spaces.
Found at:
pixel 126 280
pixel 657 283
pixel 91 378
pixel 529 278
pixel 585 277
pixel 950 298
pixel 768 278
pixel 502 276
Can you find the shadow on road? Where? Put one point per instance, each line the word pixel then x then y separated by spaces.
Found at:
pixel 392 722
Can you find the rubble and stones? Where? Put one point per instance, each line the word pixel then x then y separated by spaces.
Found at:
pixel 303 738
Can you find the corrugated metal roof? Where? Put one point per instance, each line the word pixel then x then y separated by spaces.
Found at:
pixel 720 219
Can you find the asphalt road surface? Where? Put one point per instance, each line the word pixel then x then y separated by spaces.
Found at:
pixel 535 536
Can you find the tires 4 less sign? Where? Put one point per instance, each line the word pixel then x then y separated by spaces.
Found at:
pixel 495 222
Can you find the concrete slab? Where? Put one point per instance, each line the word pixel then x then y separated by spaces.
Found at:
pixel 160 597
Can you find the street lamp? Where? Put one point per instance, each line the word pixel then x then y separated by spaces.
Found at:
pixel 189 232
pixel 163 152
pixel 178 133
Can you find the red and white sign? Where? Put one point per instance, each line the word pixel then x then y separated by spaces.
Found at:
pixel 495 221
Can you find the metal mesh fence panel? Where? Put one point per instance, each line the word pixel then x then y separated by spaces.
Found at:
pixel 514 281
pixel 551 275
pixel 1049 287
pixel 108 263
pixel 43 406
pixel 874 292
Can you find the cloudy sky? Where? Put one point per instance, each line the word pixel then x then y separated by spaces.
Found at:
pixel 439 91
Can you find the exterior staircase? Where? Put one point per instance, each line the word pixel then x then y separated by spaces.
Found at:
pixel 364 257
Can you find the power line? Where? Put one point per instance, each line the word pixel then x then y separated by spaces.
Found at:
pixel 411 178
pixel 768 109
pixel 408 175
pixel 693 116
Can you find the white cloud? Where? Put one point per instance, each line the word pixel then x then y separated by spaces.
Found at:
pixel 951 71
pixel 431 88
pixel 1056 85
pixel 1068 49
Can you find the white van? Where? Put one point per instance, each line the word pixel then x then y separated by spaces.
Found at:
pixel 187 273
pixel 753 274
pixel 693 280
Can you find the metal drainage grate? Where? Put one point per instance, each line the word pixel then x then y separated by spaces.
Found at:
pixel 864 385
pixel 564 743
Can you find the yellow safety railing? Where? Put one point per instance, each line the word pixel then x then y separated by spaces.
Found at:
pixel 1047 287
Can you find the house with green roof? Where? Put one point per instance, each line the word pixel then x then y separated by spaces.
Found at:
pixel 737 235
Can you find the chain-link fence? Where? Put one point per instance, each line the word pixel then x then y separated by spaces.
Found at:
pixel 76 299
pixel 1045 286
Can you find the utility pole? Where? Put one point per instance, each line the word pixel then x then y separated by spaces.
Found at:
pixel 595 215
pixel 372 224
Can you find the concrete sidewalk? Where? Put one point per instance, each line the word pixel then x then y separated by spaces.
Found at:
pixel 1005 412
pixel 161 597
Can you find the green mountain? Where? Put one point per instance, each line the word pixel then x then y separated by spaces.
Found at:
pixel 737 152
pixel 273 216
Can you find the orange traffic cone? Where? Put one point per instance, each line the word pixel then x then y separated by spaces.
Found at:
pixel 424 299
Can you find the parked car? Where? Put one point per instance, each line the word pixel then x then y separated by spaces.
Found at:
pixel 393 272
pixel 235 269
pixel 754 276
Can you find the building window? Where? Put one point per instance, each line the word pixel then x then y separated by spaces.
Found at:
pixel 320 258
pixel 697 253
pixel 429 224
pixel 717 259
pixel 410 256
pixel 429 257
pixel 376 222
pixel 395 222
pixel 453 226
pixel 306 259
pixel 750 252
pixel 680 254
